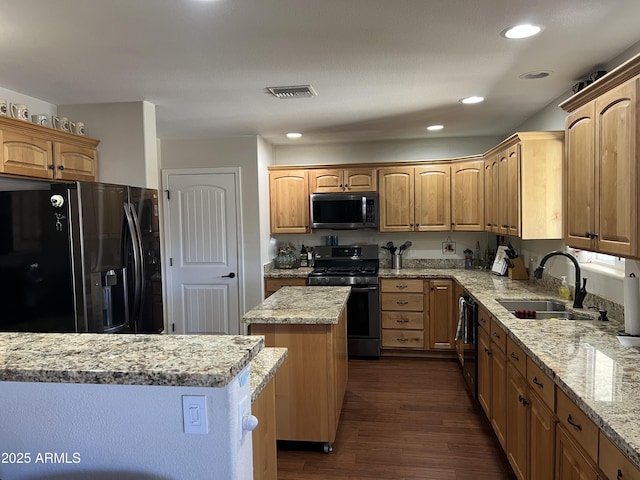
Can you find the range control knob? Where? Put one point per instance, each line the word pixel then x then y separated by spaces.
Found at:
pixel 343 280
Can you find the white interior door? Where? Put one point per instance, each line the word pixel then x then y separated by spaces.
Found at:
pixel 201 221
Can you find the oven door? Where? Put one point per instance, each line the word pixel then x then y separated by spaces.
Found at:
pixel 363 322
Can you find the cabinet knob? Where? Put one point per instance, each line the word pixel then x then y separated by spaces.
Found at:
pixel 52 167
pixel 60 167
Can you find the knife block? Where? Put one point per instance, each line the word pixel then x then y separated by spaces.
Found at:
pixel 518 272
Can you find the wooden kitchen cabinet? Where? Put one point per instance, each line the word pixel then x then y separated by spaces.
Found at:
pixel 397 202
pixel 571 462
pixel 484 371
pixel 35 151
pixel 613 462
pixel 316 363
pixel 517 421
pixel 467 196
pixel 525 173
pixel 289 201
pixel 272 285
pixel 432 198
pixel 343 180
pixel 601 170
pixel 402 305
pixel 263 438
pixel 442 328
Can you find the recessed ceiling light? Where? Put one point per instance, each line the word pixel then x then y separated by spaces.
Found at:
pixel 522 31
pixel 433 128
pixel 294 135
pixel 534 75
pixel 472 99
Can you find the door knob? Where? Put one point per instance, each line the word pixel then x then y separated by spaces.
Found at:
pixel 231 275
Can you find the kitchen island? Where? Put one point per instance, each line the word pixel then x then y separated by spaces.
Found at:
pixel 97 406
pixel 311 323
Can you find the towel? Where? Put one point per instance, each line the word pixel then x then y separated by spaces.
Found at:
pixel 461 331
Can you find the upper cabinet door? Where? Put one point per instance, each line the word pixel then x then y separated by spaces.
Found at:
pixel 360 179
pixel 433 198
pixel 289 197
pixel 503 193
pixel 326 181
pixel 396 199
pixel 73 162
pixel 513 193
pixel 491 194
pixel 467 196
pixel 26 155
pixel 616 209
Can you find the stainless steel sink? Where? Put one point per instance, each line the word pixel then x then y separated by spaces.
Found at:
pixel 537 305
pixel 563 315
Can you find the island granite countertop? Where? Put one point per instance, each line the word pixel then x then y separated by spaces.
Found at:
pixel 301 305
pixel 263 368
pixel 168 360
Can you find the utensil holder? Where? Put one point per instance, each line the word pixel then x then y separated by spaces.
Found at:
pixel 396 261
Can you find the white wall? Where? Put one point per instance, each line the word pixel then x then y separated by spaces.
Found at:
pixel 383 151
pixel 230 152
pixel 265 158
pixel 122 432
pixel 127 133
pixel 35 105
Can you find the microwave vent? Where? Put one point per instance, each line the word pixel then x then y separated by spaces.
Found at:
pixel 294 91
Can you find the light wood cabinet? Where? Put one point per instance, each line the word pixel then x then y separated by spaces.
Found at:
pixel 467 196
pixel 484 371
pixel 541 438
pixel 35 151
pixel 525 173
pixel 578 425
pixel 499 394
pixel 316 362
pixel 433 197
pixel 442 328
pixel 517 421
pixel 602 173
pixel 289 201
pixel 347 180
pixel 613 463
pixel 402 304
pixel 263 438
pixel 571 462
pixel 272 285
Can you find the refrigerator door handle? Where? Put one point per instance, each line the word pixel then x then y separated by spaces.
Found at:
pixel 141 273
pixel 137 261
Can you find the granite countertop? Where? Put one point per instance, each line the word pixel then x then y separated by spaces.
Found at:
pixel 263 368
pixel 301 305
pixel 584 357
pixel 168 360
pixel 300 272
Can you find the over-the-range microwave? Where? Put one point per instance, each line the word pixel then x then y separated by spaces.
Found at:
pixel 344 211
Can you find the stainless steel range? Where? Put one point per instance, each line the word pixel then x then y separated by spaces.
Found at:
pixel 357 266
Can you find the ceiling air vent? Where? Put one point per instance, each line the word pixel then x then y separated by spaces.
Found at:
pixel 294 91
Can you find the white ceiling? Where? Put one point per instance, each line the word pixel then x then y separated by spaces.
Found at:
pixel 383 69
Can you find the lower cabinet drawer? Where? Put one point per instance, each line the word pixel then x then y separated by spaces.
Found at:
pixel 403 320
pixel 579 426
pixel 542 384
pixel 402 301
pixel 613 463
pixel 402 338
pixel 517 357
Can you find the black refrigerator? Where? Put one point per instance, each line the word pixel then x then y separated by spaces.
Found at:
pixel 79 257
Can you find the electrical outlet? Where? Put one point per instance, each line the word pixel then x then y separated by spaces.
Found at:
pixel 194 414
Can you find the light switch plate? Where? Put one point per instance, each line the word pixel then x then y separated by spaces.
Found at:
pixel 194 414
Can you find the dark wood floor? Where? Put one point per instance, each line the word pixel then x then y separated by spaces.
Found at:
pixel 403 419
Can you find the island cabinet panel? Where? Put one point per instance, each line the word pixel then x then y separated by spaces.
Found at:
pixel 263 438
pixel 311 384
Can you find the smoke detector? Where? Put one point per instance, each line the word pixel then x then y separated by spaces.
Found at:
pixel 294 91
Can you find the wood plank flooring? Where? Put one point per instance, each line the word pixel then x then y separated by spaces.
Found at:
pixel 403 418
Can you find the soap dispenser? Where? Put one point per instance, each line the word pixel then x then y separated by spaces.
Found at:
pixel 563 291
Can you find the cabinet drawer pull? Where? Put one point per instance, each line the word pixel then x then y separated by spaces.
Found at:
pixel 514 356
pixel 402 339
pixel 402 303
pixel 402 320
pixel 538 382
pixel 619 476
pixel 402 286
pixel 523 400
pixel 571 422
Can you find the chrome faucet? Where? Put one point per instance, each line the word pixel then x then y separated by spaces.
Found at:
pixel 581 291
